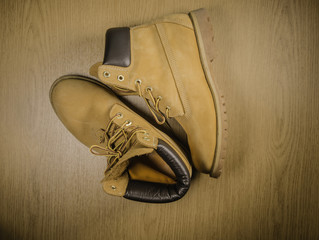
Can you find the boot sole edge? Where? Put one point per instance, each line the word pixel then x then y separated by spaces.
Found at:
pixel 205 37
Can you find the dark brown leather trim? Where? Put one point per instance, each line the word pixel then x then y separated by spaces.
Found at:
pixel 117 47
pixel 162 193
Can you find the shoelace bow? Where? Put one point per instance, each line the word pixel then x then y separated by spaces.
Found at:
pixel 154 107
pixel 117 141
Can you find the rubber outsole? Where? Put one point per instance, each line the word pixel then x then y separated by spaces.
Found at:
pixel 204 34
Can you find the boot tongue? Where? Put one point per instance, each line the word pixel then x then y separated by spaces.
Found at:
pixel 137 149
pixel 116 178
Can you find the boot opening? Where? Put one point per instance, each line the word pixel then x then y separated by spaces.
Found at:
pixel 151 168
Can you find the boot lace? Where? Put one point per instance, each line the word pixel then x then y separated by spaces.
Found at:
pixel 152 103
pixel 117 139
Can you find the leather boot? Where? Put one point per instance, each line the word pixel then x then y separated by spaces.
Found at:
pixel 168 63
pixel 143 163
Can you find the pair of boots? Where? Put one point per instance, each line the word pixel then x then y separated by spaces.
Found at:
pixel 167 63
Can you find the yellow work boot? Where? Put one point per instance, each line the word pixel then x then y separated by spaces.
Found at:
pixel 168 63
pixel 143 163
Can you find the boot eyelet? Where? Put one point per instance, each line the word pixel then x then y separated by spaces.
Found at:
pixel 160 97
pixel 106 74
pixel 149 89
pixel 120 78
pixel 138 81
pixel 119 115
pixel 168 107
pixel 113 187
pixel 128 123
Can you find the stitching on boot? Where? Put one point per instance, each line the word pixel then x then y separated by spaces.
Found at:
pixel 172 62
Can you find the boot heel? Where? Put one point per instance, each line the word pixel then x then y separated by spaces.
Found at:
pixel 205 39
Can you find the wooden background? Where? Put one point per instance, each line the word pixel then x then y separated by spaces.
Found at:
pixel 267 62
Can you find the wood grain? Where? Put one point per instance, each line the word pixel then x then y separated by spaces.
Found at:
pixel 267 63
